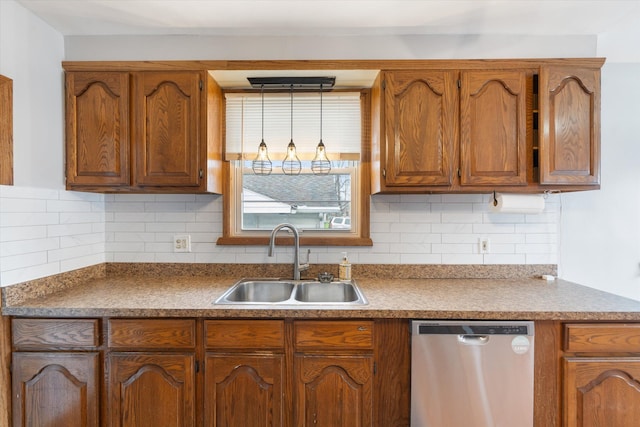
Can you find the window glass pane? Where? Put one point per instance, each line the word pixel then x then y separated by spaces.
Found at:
pixel 310 202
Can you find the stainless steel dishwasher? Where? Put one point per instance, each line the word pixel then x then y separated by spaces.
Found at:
pixel 472 374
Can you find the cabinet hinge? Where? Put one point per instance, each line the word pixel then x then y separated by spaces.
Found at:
pixel 201 174
pixel 200 84
pixel 197 366
pixel 384 173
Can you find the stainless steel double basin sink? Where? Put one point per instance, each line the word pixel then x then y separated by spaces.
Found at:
pixel 292 292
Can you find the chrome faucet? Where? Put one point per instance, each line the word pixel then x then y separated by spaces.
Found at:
pixel 297 267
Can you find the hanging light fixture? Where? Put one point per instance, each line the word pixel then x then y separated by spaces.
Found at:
pixel 262 164
pixel 291 164
pixel 320 165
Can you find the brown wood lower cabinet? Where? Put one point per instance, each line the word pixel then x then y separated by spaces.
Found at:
pixel 244 390
pixel 601 375
pixel 116 372
pixel 55 389
pixel 333 391
pixel 151 390
pixel 602 392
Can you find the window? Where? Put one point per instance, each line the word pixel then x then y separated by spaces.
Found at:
pixel 331 209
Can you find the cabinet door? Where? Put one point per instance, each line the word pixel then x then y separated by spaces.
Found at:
pixel 55 389
pixel 243 390
pixel 97 133
pixel 601 392
pixel 493 128
pixel 421 113
pixel 333 391
pixel 150 390
pixel 166 128
pixel 569 101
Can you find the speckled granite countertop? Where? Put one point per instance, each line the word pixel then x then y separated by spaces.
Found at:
pixel 466 298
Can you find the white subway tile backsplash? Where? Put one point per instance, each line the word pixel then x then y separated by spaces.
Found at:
pixel 462 259
pixel 9 234
pixel 54 231
pixel 24 205
pixel 504 259
pixel 29 218
pixel 27 246
pixel 423 258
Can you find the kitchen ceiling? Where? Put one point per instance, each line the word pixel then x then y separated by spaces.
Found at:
pixel 336 17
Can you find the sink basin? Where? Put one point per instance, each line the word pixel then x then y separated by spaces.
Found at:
pixel 326 292
pixel 292 292
pixel 260 291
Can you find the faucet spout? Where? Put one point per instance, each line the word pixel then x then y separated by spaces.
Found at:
pixel 297 267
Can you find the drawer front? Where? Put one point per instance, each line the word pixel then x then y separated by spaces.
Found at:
pixel 241 334
pixel 607 338
pixel 152 333
pixel 322 335
pixel 41 334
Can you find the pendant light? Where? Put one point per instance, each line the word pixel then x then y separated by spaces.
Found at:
pixel 262 164
pixel 291 164
pixel 320 165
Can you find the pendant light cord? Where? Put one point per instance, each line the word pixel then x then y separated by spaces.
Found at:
pixel 320 112
pixel 262 96
pixel 292 112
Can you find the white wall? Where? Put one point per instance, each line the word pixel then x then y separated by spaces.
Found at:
pixel 31 53
pixel 600 230
pixel 44 230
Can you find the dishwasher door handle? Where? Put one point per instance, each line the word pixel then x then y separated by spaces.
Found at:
pixel 473 339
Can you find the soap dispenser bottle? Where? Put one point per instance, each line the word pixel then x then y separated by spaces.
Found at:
pixel 345 268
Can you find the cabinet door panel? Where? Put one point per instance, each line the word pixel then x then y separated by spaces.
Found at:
pixel 570 123
pixel 333 391
pixel 244 390
pixel 166 128
pixel 150 389
pixel 421 112
pixel 55 389
pixel 601 392
pixel 97 117
pixel 493 122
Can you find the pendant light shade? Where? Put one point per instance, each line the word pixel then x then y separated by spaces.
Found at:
pixel 291 164
pixel 262 164
pixel 320 165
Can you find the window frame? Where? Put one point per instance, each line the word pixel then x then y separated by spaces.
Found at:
pixel 361 237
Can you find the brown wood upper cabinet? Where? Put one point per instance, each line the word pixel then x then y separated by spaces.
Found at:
pixel 570 125
pixel 450 128
pixel 146 131
pixel 504 126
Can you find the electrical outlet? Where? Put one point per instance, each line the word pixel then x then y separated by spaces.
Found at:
pixel 485 245
pixel 182 243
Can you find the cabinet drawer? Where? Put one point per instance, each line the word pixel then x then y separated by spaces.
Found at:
pixel 333 335
pixel 607 337
pixel 152 333
pixel 39 334
pixel 241 334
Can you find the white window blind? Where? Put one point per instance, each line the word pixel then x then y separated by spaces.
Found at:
pixel 341 124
